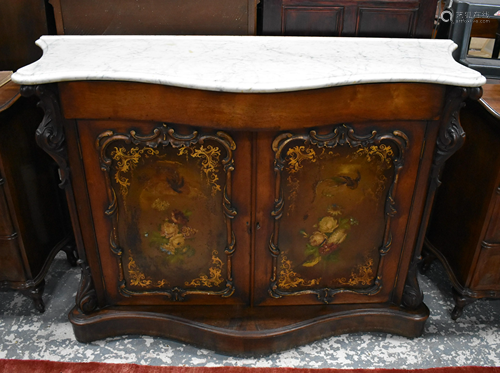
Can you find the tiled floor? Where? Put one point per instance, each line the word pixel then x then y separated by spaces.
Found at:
pixel 473 340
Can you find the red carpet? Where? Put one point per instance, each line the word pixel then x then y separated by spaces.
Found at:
pixel 42 366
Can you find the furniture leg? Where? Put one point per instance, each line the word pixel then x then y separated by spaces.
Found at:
pixel 496 47
pixel 460 302
pixel 71 253
pixel 35 293
pixel 427 258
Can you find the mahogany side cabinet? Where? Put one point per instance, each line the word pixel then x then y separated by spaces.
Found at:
pixel 33 213
pixel 464 232
pixel 224 198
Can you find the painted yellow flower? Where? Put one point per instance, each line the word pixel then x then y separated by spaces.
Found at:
pixel 188 232
pixel 328 224
pixel 337 237
pixel 177 241
pixel 167 248
pixel 317 238
pixel 169 229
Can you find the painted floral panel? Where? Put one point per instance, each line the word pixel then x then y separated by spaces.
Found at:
pixel 334 215
pixel 170 223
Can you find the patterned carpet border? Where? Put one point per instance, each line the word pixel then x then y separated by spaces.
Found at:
pixel 43 366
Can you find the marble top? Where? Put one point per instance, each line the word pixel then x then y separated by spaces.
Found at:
pixel 246 63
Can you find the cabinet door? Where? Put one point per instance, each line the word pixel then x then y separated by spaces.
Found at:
pixel 163 213
pixel 339 210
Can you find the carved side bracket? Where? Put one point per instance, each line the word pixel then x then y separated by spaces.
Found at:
pixel 450 138
pixel 86 297
pixel 50 134
pixel 50 137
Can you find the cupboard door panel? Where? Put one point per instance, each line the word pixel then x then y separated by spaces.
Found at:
pixel 493 231
pixel 386 22
pixel 339 213
pixel 168 212
pixel 313 21
pixel 486 276
pixel 6 225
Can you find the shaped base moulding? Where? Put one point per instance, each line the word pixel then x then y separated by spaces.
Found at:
pixel 248 331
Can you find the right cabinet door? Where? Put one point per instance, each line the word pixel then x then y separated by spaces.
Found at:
pixel 333 221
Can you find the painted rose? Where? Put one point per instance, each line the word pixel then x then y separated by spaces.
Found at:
pixel 317 238
pixel 337 237
pixel 169 229
pixel 327 248
pixel 327 224
pixel 177 241
pixel 179 217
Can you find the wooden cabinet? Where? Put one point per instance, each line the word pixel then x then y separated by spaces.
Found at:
pixel 312 211
pixel 464 233
pixel 33 216
pixel 247 212
pixel 407 18
pixel 22 22
pixel 155 17
pixel 178 218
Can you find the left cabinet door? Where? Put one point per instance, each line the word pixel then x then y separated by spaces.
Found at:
pixel 164 213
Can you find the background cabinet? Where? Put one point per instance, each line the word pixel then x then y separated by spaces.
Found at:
pixel 407 18
pixel 464 232
pixel 22 22
pixel 34 222
pixel 155 17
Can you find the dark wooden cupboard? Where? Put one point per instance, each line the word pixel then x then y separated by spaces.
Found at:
pixel 22 22
pixel 34 223
pixel 464 232
pixel 407 18
pixel 155 17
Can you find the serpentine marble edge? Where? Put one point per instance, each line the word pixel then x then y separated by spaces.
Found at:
pixel 246 63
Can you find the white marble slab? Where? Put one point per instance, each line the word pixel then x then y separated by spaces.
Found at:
pixel 246 63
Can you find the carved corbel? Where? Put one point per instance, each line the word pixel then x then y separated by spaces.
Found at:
pixel 450 138
pixel 50 137
pixel 50 134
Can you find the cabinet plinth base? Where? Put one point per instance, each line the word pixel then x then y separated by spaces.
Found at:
pixel 248 331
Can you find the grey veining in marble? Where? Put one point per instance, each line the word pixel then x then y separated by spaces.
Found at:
pixel 472 340
pixel 246 63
